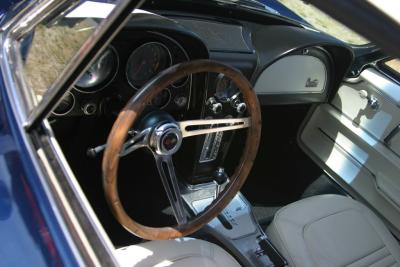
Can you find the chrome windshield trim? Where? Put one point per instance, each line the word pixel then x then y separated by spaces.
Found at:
pixel 14 30
pixel 64 82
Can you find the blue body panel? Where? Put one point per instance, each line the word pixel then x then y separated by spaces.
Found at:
pixel 29 232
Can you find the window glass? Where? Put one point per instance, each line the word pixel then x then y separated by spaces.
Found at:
pixel 324 22
pixel 393 65
pixel 53 44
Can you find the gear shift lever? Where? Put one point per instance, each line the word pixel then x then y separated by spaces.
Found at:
pixel 220 177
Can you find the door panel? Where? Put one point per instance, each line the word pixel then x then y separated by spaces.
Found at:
pixel 348 138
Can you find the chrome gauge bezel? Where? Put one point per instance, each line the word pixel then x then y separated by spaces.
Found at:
pixel 111 79
pixel 69 110
pixel 134 51
pixel 169 99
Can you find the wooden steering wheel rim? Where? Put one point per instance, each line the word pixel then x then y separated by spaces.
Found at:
pixel 129 115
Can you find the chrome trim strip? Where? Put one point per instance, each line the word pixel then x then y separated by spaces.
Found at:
pixel 81 199
pixel 67 210
pixel 234 125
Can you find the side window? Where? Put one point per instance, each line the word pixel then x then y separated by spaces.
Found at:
pixel 51 45
pixel 393 66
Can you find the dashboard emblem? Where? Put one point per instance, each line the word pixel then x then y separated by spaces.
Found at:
pixel 311 83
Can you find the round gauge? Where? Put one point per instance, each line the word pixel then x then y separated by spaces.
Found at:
pixel 100 72
pixel 145 62
pixel 181 82
pixel 162 99
pixel 66 105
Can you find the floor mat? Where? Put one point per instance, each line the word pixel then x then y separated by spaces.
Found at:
pixel 281 171
pixel 323 185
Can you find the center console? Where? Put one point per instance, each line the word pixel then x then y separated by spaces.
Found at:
pixel 236 228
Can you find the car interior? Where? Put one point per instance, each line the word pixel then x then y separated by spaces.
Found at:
pixel 237 139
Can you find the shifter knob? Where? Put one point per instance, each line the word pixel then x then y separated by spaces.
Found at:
pixel 220 176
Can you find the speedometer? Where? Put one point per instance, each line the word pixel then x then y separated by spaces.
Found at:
pixel 145 62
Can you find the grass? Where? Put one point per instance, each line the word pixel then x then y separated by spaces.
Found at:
pixel 394 65
pixel 51 50
pixel 323 22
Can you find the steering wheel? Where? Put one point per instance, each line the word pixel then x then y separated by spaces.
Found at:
pixel 164 140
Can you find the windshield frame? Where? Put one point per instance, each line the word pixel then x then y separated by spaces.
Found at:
pixel 13 31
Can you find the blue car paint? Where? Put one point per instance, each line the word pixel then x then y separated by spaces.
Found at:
pixel 29 231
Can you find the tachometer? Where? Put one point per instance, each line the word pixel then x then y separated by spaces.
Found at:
pixel 145 62
pixel 99 73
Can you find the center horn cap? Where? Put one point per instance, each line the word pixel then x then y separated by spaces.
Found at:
pixel 166 139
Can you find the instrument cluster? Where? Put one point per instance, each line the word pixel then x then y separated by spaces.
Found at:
pixel 120 71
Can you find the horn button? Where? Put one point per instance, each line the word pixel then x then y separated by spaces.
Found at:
pixel 166 139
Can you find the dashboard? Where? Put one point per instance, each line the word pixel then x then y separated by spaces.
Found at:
pixel 121 70
pixel 286 64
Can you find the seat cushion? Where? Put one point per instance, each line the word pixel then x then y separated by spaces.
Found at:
pixel 332 230
pixel 178 253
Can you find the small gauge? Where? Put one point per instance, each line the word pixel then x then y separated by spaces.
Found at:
pixel 180 101
pixel 99 73
pixel 66 105
pixel 162 99
pixel 224 88
pixel 145 62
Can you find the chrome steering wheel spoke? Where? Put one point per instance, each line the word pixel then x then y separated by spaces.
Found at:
pixel 169 180
pixel 199 127
pixel 138 140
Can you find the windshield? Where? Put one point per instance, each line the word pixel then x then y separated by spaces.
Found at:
pixel 323 22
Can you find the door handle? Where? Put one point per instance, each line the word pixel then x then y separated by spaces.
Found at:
pixel 373 102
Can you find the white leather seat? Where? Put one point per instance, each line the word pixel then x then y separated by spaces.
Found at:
pixel 177 253
pixel 332 230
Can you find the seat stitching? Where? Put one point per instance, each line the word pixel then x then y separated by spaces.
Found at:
pixel 280 236
pixel 305 227
pixel 373 252
pixel 375 262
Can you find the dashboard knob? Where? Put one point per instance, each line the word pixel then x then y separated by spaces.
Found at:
pixel 241 108
pixel 214 106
